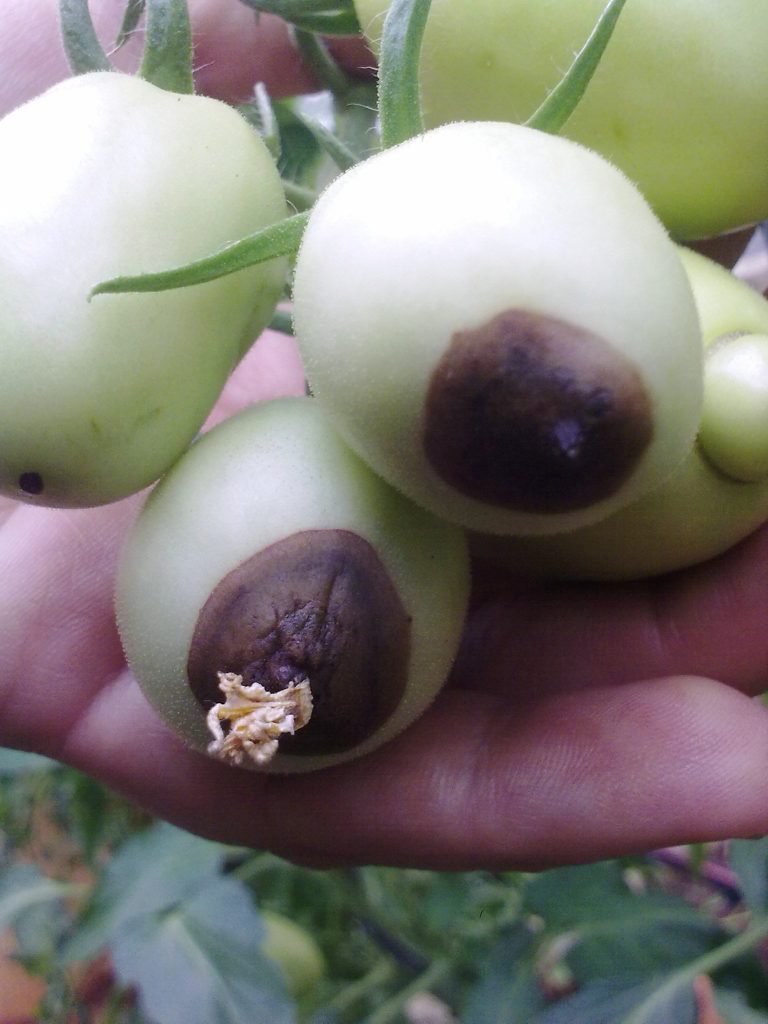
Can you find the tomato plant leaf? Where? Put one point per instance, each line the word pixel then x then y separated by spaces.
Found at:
pixel 281 239
pixel 399 95
pixel 23 887
pixel 81 44
pixel 167 57
pixel 151 872
pixel 735 1010
pixel 325 17
pixel 200 961
pixel 508 986
pixel 133 12
pixel 19 762
pixel 749 859
pixel 607 924
pixel 565 97
pixel 610 1001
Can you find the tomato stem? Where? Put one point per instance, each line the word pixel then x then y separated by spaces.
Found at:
pixel 280 239
pixel 567 94
pixel 399 96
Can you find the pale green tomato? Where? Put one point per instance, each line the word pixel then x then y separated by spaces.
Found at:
pixel 272 553
pixel 695 515
pixel 101 176
pixel 295 951
pixel 500 326
pixel 679 102
pixel 734 423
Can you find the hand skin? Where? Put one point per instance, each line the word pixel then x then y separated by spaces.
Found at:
pixel 581 722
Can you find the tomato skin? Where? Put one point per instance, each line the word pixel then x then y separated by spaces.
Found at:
pixel 107 175
pixel 695 515
pixel 440 236
pixel 274 471
pixel 295 951
pixel 679 102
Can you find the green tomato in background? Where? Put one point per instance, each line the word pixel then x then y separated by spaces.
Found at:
pixel 499 325
pixel 700 511
pixel 679 101
pixel 295 951
pixel 101 176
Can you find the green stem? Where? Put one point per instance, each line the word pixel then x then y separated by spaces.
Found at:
pixel 710 962
pixel 567 94
pixel 382 973
pixel 300 197
pixel 321 62
pixel 83 50
pixel 167 57
pixel 399 97
pixel 281 239
pixel 437 972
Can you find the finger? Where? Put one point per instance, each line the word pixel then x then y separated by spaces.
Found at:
pixel 272 368
pixel 709 620
pixel 59 639
pixel 232 50
pixel 478 782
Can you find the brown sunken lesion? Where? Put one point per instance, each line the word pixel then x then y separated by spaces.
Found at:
pixel 317 605
pixel 534 414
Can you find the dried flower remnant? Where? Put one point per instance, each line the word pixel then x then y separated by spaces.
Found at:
pixel 255 719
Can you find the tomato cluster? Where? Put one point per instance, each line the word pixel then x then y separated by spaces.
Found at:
pixel 507 352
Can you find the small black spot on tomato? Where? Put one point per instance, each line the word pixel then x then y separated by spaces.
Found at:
pixel 31 483
pixel 531 413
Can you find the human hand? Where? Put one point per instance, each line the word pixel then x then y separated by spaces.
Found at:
pixel 580 722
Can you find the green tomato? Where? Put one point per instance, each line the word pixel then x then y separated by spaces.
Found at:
pixel 694 516
pixel 271 557
pixel 295 951
pixel 107 175
pixel 734 422
pixel 500 326
pixel 679 101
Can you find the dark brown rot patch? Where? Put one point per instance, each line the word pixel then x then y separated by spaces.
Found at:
pixel 31 483
pixel 318 605
pixel 534 414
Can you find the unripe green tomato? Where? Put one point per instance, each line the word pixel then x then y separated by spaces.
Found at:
pixel 697 514
pixel 272 554
pixel 101 176
pixel 295 951
pixel 679 101
pixel 500 326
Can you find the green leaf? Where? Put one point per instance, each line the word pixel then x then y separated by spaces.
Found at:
pixel 281 239
pixel 201 963
pixel 167 57
pixel 133 12
pixel 749 859
pixel 325 17
pixel 153 871
pixel 608 925
pixel 81 44
pixel 615 1002
pixel 735 1009
pixel 19 762
pixel 508 987
pixel 399 96
pixel 566 96
pixel 24 887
